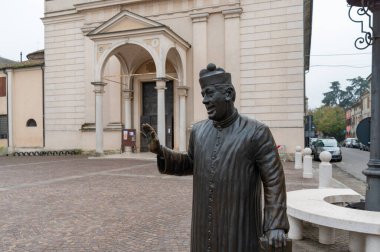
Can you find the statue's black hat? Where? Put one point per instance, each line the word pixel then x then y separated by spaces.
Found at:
pixel 213 76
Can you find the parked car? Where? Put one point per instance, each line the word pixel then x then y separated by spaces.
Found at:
pixel 351 143
pixel 355 143
pixel 363 146
pixel 330 145
pixel 346 142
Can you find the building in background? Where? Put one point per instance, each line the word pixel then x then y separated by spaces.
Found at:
pixel 358 112
pixel 21 103
pixel 116 64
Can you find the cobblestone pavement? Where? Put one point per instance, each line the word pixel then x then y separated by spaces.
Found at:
pixel 78 204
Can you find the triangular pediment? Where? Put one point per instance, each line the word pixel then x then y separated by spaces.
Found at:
pixel 125 21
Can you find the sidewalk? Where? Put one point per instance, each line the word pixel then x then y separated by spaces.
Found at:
pixel 295 181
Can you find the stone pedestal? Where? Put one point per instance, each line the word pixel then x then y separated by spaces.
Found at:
pixel 296 228
pixel 372 243
pixel 356 242
pixel 326 235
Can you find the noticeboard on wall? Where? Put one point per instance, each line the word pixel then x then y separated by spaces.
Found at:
pixel 129 137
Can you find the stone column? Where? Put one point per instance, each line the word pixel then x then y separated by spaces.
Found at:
pixel 199 61
pixel 296 228
pixel 182 92
pixel 326 235
pixel 10 110
pixel 160 87
pixel 128 96
pixel 232 48
pixel 99 90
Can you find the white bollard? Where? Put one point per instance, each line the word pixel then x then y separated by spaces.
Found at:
pixel 307 164
pixel 325 170
pixel 298 158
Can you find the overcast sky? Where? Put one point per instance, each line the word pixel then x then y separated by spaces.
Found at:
pixel 333 35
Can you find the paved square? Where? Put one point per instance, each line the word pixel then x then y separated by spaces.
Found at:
pixel 72 203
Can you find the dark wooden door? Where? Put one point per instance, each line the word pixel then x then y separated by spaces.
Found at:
pixel 149 111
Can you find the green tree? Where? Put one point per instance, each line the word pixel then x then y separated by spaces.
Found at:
pixel 345 98
pixel 332 98
pixel 359 86
pixel 331 121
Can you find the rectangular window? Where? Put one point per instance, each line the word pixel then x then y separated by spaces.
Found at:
pixel 3 90
pixel 3 126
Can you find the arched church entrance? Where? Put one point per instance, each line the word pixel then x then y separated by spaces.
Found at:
pixel 151 77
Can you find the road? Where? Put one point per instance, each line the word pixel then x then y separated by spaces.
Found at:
pixel 354 162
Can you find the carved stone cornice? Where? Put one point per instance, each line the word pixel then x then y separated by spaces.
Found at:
pixel 183 90
pixel 99 87
pixel 233 13
pixel 199 17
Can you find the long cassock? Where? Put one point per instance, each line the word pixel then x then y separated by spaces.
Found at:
pixel 229 160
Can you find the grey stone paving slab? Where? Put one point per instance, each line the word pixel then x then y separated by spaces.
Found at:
pixel 80 204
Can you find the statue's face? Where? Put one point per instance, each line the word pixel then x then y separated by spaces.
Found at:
pixel 214 99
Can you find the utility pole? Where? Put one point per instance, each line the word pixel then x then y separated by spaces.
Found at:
pixel 366 7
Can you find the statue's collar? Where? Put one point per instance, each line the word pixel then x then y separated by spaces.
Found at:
pixel 227 122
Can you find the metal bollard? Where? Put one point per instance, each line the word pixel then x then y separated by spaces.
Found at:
pixel 298 158
pixel 307 164
pixel 325 170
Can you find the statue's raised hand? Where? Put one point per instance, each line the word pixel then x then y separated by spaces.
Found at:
pixel 154 143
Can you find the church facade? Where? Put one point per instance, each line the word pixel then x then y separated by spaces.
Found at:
pixel 113 65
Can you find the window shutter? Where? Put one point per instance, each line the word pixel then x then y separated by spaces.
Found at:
pixel 3 86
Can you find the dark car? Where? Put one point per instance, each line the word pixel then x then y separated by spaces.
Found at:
pixel 311 144
pixel 363 146
pixel 330 145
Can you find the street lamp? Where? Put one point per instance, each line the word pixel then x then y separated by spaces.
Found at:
pixel 366 7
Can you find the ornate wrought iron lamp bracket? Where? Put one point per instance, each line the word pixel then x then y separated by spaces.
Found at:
pixel 366 40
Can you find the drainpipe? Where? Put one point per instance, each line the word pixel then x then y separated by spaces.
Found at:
pixel 6 87
pixel 43 105
pixel 10 110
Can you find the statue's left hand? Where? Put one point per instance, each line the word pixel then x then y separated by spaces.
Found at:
pixel 276 237
pixel 154 143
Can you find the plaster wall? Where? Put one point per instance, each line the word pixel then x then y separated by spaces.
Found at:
pixel 271 82
pixel 64 80
pixel 27 104
pixel 84 140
